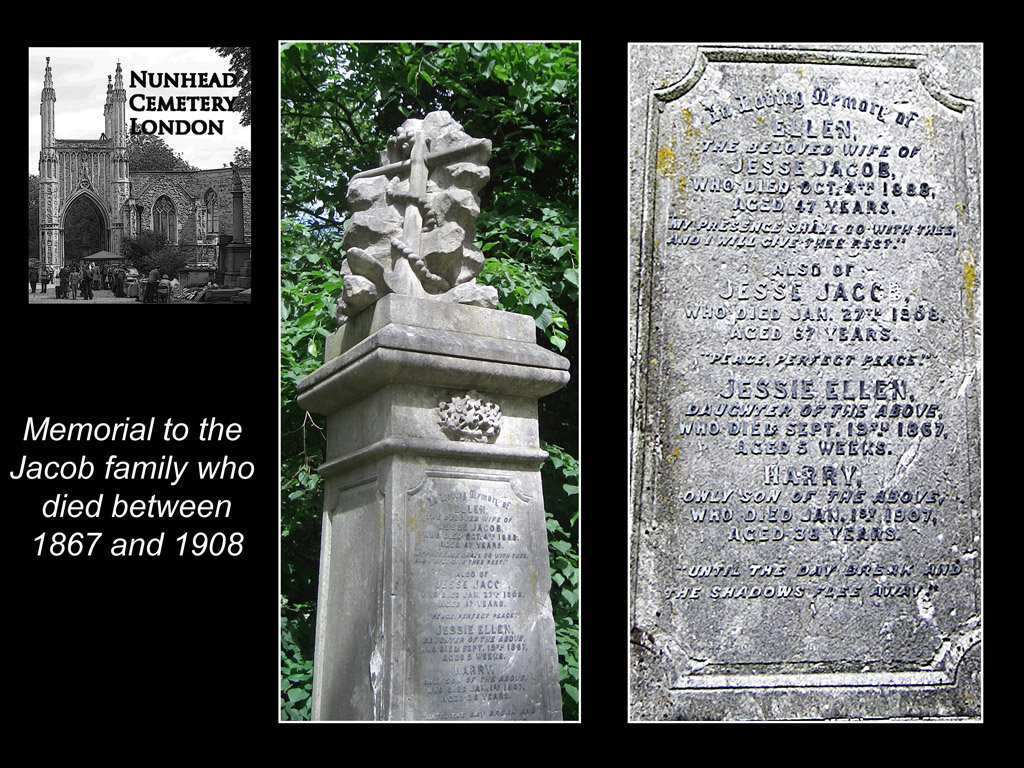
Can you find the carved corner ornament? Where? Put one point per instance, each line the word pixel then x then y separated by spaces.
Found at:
pixel 470 418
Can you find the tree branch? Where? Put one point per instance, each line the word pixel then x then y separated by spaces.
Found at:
pixel 349 121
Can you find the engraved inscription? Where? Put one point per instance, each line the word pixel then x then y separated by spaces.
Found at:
pixel 809 495
pixel 468 549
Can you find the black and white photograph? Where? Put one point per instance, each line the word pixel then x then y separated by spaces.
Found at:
pixel 140 167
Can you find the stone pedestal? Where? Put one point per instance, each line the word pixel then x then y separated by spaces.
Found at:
pixel 245 279
pixel 221 295
pixel 236 257
pixel 192 277
pixel 433 598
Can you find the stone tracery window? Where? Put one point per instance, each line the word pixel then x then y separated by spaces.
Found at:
pixel 212 220
pixel 164 219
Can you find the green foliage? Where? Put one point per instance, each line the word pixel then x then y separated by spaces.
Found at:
pixel 339 105
pixel 562 515
pixel 296 667
pixel 309 286
pixel 542 277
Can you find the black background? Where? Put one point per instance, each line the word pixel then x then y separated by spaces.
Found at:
pixel 182 653
pixel 169 644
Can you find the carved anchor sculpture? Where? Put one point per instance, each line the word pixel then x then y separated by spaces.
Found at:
pixel 412 220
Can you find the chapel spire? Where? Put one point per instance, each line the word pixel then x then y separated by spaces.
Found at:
pixel 118 97
pixel 49 196
pixel 48 98
pixel 107 132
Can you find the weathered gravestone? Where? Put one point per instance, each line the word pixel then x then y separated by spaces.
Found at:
pixel 433 598
pixel 805 322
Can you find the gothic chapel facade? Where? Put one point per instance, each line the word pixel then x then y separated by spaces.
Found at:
pixel 194 209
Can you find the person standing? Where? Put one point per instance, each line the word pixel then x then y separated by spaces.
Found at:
pixel 154 281
pixel 87 283
pixel 62 286
pixel 33 276
pixel 132 282
pixel 73 281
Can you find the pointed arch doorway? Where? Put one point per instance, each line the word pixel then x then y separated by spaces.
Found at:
pixel 84 227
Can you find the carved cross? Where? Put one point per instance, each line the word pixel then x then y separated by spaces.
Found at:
pixel 406 254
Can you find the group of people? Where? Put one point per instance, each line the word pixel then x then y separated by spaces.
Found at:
pixel 35 275
pixel 74 280
pixel 157 287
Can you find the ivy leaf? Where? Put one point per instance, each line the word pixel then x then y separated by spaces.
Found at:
pixel 297 694
pixel 543 320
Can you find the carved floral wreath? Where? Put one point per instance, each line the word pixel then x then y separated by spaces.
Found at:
pixel 470 418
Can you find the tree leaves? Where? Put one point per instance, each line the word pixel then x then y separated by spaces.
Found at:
pixel 241 65
pixel 151 153
pixel 296 670
pixel 562 514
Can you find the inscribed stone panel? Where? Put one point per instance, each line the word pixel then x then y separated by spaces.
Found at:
pixel 475 621
pixel 806 323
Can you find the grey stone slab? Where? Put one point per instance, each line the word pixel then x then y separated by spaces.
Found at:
pixel 432 355
pixel 398 309
pixel 434 595
pixel 477 614
pixel 805 323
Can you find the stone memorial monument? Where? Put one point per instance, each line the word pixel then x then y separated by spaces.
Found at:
pixel 805 326
pixel 433 598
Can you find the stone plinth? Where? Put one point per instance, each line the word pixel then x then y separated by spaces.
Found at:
pixel 221 295
pixel 236 259
pixel 195 276
pixel 433 598
pixel 245 279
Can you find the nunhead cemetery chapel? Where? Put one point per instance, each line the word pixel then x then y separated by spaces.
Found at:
pixel 206 213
